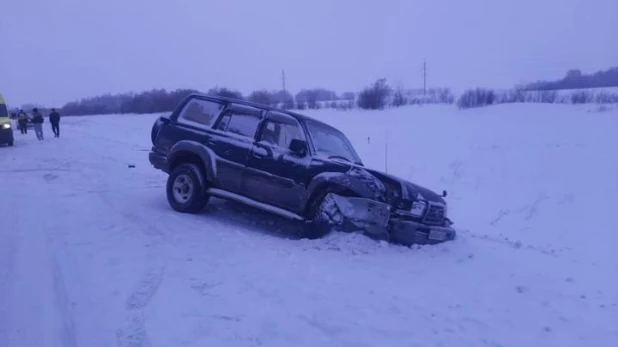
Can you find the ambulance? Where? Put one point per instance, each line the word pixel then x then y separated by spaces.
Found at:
pixel 6 125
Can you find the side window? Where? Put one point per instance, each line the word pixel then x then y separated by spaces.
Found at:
pixel 200 113
pixel 240 123
pixel 281 133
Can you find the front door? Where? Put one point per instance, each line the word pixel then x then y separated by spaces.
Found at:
pixel 274 174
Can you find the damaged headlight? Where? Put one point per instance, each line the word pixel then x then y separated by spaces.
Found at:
pixel 418 208
pixel 393 189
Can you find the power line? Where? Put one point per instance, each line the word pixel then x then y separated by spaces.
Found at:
pixel 283 82
pixel 424 77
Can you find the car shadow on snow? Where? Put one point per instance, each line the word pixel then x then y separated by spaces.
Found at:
pixel 239 216
pixel 246 217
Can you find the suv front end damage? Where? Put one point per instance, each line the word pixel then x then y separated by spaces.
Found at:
pixel 425 223
pixel 367 215
pixel 410 232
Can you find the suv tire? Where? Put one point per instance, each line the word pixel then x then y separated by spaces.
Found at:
pixel 325 217
pixel 186 190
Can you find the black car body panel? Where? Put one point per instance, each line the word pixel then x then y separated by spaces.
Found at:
pixel 263 155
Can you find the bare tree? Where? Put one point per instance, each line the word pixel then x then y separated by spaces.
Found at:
pixel 399 97
pixel 375 96
pixel 263 97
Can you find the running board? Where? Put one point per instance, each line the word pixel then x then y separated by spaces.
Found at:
pixel 224 194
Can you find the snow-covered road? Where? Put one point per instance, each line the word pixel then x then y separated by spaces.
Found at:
pixel 92 255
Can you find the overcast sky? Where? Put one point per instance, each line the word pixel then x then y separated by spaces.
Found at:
pixel 54 51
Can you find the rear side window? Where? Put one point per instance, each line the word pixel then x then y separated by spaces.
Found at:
pixel 243 124
pixel 200 113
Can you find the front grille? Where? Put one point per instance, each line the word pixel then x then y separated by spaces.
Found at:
pixel 434 215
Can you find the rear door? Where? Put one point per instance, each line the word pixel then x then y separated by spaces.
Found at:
pixel 224 128
pixel 274 174
pixel 235 133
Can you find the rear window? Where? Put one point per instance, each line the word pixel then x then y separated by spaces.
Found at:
pixel 3 111
pixel 200 113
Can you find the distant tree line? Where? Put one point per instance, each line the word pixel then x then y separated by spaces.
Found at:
pixel 574 88
pixel 575 79
pixel 484 97
pixel 377 95
pixel 156 100
pixel 161 100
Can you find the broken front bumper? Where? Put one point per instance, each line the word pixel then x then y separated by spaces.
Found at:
pixel 375 219
pixel 410 232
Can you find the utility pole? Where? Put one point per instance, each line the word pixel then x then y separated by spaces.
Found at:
pixel 283 83
pixel 424 77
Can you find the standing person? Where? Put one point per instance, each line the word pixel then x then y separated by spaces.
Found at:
pixel 37 122
pixel 22 121
pixel 54 119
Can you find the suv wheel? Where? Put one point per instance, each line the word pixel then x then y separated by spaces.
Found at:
pixel 325 218
pixel 185 191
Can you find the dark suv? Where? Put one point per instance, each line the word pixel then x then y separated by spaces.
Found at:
pixel 291 165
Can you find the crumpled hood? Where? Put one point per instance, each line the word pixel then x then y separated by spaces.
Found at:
pixel 414 191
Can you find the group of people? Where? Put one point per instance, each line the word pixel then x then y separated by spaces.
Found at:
pixel 37 120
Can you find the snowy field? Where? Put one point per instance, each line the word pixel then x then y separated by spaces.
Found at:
pixel 92 255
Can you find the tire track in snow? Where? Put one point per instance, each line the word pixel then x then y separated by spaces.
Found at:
pixel 509 243
pixel 154 232
pixel 134 333
pixel 67 329
pixel 8 252
pixel 34 303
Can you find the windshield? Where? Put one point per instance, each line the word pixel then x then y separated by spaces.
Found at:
pixel 331 142
pixel 3 111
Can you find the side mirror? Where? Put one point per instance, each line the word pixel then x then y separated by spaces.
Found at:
pixel 444 193
pixel 298 147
